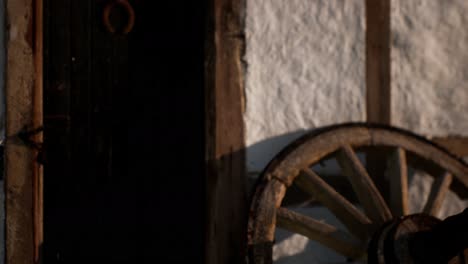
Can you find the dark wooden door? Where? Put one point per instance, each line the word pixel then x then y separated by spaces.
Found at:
pixel 123 118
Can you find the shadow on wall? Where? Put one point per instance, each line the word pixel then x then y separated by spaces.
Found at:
pixel 262 152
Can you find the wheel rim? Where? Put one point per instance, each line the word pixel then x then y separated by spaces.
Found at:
pixel 293 166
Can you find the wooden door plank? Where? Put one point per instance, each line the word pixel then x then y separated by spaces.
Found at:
pixel 57 83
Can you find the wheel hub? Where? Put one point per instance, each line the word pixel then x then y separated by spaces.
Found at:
pixel 420 238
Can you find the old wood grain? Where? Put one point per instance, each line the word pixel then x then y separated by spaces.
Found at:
pixel 356 222
pixel 38 113
pixel 318 145
pixel 368 195
pixel 226 184
pixel 439 190
pixel 323 233
pixel 456 145
pixel 378 82
pixel 20 197
pixel 261 228
pixel 378 70
pixel 397 174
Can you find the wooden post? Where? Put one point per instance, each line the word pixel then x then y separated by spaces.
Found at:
pixel 225 155
pixel 23 92
pixel 378 61
pixel 378 86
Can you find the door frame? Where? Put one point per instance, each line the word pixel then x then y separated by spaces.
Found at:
pixel 23 118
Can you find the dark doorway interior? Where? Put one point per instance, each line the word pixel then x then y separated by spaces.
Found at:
pixel 124 133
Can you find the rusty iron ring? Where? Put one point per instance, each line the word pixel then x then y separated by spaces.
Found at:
pixel 130 12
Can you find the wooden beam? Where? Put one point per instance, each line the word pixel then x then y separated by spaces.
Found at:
pixel 23 103
pixel 378 62
pixel 378 74
pixel 325 234
pixel 226 188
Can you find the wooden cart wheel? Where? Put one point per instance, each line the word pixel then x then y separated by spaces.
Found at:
pixel 293 166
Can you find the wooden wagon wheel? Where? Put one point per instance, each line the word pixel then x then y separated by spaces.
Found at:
pixel 293 166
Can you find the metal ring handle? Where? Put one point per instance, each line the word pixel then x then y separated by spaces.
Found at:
pixel 130 12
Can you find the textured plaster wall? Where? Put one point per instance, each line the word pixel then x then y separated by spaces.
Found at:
pixel 430 66
pixel 305 69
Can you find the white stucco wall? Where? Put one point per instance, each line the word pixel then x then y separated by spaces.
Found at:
pixel 305 69
pixel 430 66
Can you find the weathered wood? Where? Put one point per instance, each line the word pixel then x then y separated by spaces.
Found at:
pixel 20 197
pixel 101 108
pixel 356 222
pixel 378 83
pixel 398 178
pixel 439 190
pixel 424 149
pixel 297 197
pixel 456 145
pixel 57 82
pixel 368 195
pixel 378 70
pixel 263 211
pixel 310 148
pixel 225 155
pixel 325 234
pixel 38 114
pixel 316 146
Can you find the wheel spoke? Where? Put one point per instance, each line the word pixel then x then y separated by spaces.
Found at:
pixel 368 195
pixel 356 222
pixel 325 234
pixel 398 172
pixel 439 190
